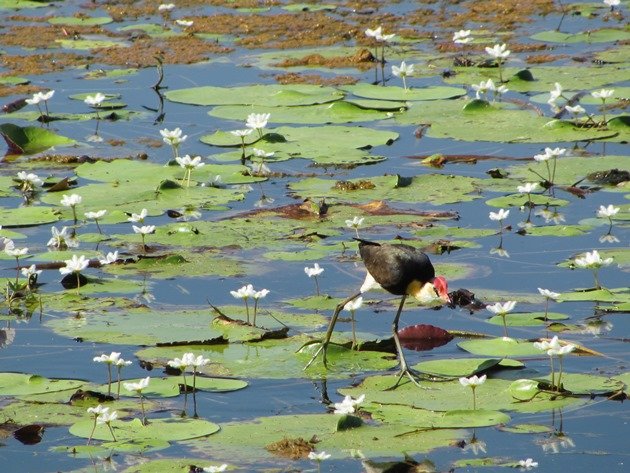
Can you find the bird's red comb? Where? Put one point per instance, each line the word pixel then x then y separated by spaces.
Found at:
pixel 441 286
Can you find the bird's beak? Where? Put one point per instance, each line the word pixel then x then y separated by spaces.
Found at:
pixel 445 297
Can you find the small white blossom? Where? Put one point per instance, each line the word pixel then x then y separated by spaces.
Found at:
pixel 404 70
pixel 95 215
pixel 107 417
pixel 215 469
pixel 75 265
pixel 316 270
pixel 550 153
pixel 29 180
pixel 499 308
pixel 138 386
pixel 529 463
pixel 110 258
pixel 603 94
pixel 184 23
pixel 498 51
pixel 356 222
pixel 71 200
pixel 318 457
pixel 242 133
pixel 502 214
pixel 483 88
pixel 473 381
pixel 261 294
pixel 95 100
pixel 576 110
pixel 354 305
pixel 244 292
pixel 138 218
pixel 30 271
pixel 166 7
pixel 527 188
pixel 187 162
pixel 173 137
pixel 609 211
pixel 348 405
pixel 592 260
pixel 549 294
pixel 110 359
pixel 257 121
pixel 462 37
pixel 144 230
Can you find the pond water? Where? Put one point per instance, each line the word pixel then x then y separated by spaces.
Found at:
pixel 156 302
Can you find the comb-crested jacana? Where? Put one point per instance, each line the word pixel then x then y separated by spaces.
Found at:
pixel 401 270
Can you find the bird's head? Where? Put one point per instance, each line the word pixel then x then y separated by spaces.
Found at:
pixel 431 291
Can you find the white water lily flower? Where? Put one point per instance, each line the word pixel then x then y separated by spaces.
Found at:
pixel 318 457
pixel 527 188
pixel 30 271
pixel 563 350
pixel 215 469
pixel 348 405
pixel 261 294
pixel 603 94
pixel 549 294
pixel 62 239
pixel 71 200
pixel 462 37
pixel 95 215
pixel 529 463
pixel 242 133
pixel 187 162
pixel 498 51
pixel 257 121
pixel 498 308
pixel 316 270
pixel 502 214
pixel 354 305
pixel 404 70
pixel 138 218
pixel 98 410
pixel 138 386
pixel 374 33
pixel 550 153
pixel 11 250
pixel 555 94
pixel 473 380
pixel 355 222
pixel 75 265
pixel 29 180
pixel 609 211
pixel 173 137
pixel 110 359
pixel 110 258
pixel 501 90
pixel 166 7
pixel 483 88
pixel 592 260
pixel 576 110
pixel 144 230
pixel 184 23
pixel 107 417
pixel 244 292
pixel 259 153
pixel 95 100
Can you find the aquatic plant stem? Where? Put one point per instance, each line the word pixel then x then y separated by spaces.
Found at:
pixel 553 372
pixel 559 386
pixel 255 311
pixel 144 417
pixel 111 431
pixel 596 276
pixel 316 285
pixel 505 330
pixel 118 368
pixel 246 309
pixel 92 432
pixel 109 371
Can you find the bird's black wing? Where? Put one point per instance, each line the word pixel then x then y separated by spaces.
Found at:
pixel 395 266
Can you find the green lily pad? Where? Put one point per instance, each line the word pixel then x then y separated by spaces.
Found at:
pixel 83 21
pixel 264 95
pixel 436 189
pixel 17 384
pixel 90 43
pixel 372 440
pixel 526 429
pixel 13 80
pixel 602 295
pixel 464 366
pixel 38 412
pixel 170 430
pixel 169 387
pixel 529 319
pixel 499 347
pixel 27 216
pixel 371 91
pixel 590 385
pixel 429 419
pixel 30 139
pixel 336 112
pixel 603 35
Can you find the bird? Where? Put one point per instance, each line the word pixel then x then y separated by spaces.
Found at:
pixel 402 270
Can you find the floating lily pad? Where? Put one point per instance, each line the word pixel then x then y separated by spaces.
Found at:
pixel 603 35
pixel 464 366
pixel 371 91
pixel 336 112
pixel 30 139
pixel 170 430
pixel 499 347
pixel 90 43
pixel 170 387
pixel 590 385
pixel 264 95
pixel 529 319
pixel 80 20
pixel 372 440
pixel 27 216
pixel 17 384
pixel 430 419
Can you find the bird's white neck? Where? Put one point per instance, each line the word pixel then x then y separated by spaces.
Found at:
pixel 424 293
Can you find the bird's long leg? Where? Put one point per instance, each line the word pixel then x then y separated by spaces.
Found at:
pixel 404 369
pixel 331 326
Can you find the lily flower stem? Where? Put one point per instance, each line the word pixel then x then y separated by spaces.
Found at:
pixel 46 106
pixel 255 311
pixel 354 334
pixel 111 431
pixel 610 225
pixel 109 372
pixel 242 149
pixel 188 173
pixel 74 214
pixel 559 386
pixel 144 417
pixel 404 83
pixel 78 293
pixel 357 232
pixel 185 391
pixel 246 309
pixel 553 372
pixel 98 227
pixel 118 378
pixel 144 248
pixel 549 178
pixel 92 432
pixel 175 150
pixel 499 63
pixel 474 398
pixel 17 269
pixel 553 173
pixel 596 275
pixel 98 121
pixel 546 308
pixel 505 330
pixel 316 285
pixel 194 394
